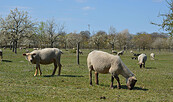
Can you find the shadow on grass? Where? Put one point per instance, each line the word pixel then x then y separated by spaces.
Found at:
pixel 71 76
pixel 125 87
pixel 6 61
pixel 150 68
pixel 63 76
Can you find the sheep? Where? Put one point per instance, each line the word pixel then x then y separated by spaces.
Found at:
pixel 142 58
pixel 152 55
pixel 120 52
pixel 104 63
pixel 35 48
pixel 80 52
pixel 134 54
pixel 45 56
pixel 113 51
pixel 1 55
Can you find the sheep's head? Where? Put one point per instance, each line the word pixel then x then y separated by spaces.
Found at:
pixel 30 57
pixel 131 82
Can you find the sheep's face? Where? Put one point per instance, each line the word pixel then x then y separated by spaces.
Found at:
pixel 30 57
pixel 131 82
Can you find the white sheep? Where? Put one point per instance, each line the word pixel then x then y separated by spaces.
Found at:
pixel 1 55
pixel 120 52
pixel 80 52
pixel 142 58
pixel 45 56
pixel 113 51
pixel 103 62
pixel 152 55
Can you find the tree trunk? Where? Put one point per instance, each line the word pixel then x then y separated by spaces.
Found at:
pixel 15 46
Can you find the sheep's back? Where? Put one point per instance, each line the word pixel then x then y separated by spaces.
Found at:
pixel 47 55
pixel 142 58
pixel 101 61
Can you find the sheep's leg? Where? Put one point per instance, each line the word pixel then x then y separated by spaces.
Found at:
pixel 90 76
pixel 140 65
pixel 144 65
pixel 118 82
pixel 36 70
pixel 96 78
pixel 59 72
pixel 55 67
pixel 40 73
pixel 112 80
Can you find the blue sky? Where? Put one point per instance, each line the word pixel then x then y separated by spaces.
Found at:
pixel 134 15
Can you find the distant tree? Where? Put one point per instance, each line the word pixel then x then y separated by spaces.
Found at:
pixel 159 43
pixel 17 25
pixel 85 38
pixel 123 38
pixel 142 40
pixel 42 37
pixel 169 43
pixel 50 30
pixel 73 39
pixel 167 23
pixel 62 40
pixel 99 39
pixel 112 37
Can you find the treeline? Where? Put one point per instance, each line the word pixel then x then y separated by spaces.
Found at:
pixel 17 30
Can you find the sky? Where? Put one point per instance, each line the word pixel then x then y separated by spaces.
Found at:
pixel 76 15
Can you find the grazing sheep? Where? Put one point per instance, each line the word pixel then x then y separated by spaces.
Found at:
pixel 152 55
pixel 80 52
pixel 113 51
pixel 103 62
pixel 1 55
pixel 142 58
pixel 26 50
pixel 35 48
pixel 45 56
pixel 120 52
pixel 134 54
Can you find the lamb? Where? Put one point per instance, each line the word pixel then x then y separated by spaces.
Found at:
pixel 104 63
pixel 134 54
pixel 120 52
pixel 45 56
pixel 80 52
pixel 142 58
pixel 1 55
pixel 113 51
pixel 152 55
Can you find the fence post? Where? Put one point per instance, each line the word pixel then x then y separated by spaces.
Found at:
pixel 77 52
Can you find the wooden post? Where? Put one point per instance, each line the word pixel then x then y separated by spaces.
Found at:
pixel 77 52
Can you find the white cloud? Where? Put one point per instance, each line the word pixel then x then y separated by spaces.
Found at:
pixel 88 8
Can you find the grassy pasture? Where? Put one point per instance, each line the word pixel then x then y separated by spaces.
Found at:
pixel 17 83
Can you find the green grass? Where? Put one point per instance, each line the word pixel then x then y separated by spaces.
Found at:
pixel 17 83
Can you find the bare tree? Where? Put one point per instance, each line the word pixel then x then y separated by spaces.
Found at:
pixel 52 27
